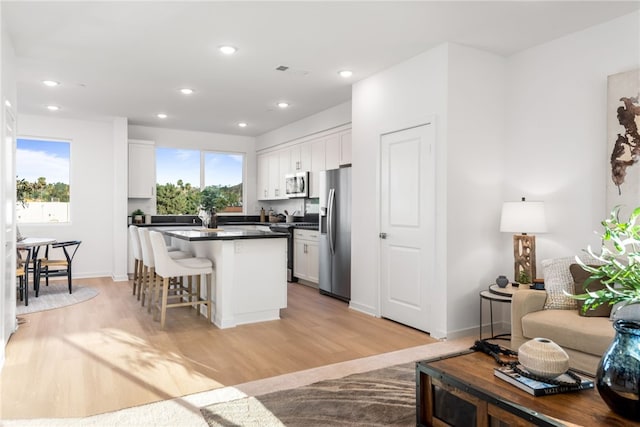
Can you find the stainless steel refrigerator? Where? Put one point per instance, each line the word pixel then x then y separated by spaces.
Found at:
pixel 335 233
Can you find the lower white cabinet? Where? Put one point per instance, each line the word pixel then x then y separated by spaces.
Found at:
pixel 306 257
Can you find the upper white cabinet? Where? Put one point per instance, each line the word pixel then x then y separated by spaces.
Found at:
pixel 345 148
pixel 322 153
pixel 142 169
pixel 300 158
pixel 272 168
pixel 262 176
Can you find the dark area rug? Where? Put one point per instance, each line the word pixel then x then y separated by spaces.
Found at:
pixel 384 397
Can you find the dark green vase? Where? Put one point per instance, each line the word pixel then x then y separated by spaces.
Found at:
pixel 618 376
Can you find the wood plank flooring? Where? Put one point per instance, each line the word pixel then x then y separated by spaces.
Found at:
pixel 107 353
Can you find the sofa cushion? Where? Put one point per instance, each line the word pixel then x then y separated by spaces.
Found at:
pixel 591 335
pixel 579 277
pixel 557 280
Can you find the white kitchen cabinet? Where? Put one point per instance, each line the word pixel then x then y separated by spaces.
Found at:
pixel 332 152
pixel 338 150
pixel 262 187
pixel 284 160
pixel 317 165
pixel 345 148
pixel 300 158
pixel 306 257
pixel 272 168
pixel 142 169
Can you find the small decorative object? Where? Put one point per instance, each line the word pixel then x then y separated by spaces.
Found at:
pixel 204 216
pixel 502 281
pixel 538 284
pixel 137 216
pixel 523 277
pixel 618 376
pixel 543 357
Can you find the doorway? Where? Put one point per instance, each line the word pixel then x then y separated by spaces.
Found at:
pixel 407 225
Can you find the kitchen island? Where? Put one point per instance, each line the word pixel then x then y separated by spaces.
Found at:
pixel 250 271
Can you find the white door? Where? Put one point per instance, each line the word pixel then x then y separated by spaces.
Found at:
pixel 7 218
pixel 407 225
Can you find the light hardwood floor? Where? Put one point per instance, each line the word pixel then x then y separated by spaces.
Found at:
pixel 107 353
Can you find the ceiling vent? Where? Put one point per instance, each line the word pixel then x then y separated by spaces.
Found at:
pixel 291 71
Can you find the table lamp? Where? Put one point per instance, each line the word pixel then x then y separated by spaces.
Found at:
pixel 523 217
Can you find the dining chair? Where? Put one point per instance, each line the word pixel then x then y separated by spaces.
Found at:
pixel 134 239
pixel 148 274
pixel 168 268
pixel 56 267
pixel 21 275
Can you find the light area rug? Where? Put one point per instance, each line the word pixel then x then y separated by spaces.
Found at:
pixel 185 411
pixel 56 295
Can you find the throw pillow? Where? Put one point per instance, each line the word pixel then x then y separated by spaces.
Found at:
pixel 557 279
pixel 579 277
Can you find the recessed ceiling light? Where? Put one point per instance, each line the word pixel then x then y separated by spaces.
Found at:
pixel 345 73
pixel 186 91
pixel 242 125
pixel 283 104
pixel 228 50
pixel 161 115
pixel 53 107
pixel 50 83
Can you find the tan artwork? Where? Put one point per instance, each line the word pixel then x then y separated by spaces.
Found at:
pixel 623 140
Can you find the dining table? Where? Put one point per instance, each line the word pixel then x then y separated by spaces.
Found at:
pixel 32 246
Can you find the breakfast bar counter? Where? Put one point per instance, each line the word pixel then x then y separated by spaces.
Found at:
pixel 250 271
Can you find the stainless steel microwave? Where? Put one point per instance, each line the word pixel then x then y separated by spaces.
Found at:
pixel 297 184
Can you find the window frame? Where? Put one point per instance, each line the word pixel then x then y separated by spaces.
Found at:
pixel 201 186
pixel 70 211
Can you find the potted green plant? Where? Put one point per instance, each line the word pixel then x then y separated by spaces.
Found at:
pixel 618 375
pixel 137 216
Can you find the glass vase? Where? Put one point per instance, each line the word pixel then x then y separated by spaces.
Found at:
pixel 618 376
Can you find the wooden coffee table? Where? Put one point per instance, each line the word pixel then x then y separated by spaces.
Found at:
pixel 461 390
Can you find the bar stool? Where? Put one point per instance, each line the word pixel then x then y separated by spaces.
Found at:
pixel 137 257
pixel 167 268
pixel 148 276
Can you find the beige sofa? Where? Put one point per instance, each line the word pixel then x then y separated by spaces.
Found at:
pixel 585 339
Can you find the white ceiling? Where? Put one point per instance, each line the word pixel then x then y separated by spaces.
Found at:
pixel 129 59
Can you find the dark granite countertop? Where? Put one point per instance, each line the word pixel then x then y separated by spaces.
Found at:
pixel 200 235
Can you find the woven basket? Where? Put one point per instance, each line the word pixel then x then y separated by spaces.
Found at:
pixel 543 357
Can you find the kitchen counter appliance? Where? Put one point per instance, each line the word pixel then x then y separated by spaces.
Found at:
pixel 297 185
pixel 335 233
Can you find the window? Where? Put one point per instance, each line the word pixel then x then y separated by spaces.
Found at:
pixel 42 181
pixel 179 181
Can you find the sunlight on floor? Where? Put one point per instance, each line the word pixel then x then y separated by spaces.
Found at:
pixel 131 357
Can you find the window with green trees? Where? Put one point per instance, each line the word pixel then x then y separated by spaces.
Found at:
pixel 179 181
pixel 42 181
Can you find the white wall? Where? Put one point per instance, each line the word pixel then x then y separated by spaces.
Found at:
pixel 556 130
pixel 92 190
pixel 468 111
pixel 322 121
pixel 475 174
pixel 407 94
pixel 207 141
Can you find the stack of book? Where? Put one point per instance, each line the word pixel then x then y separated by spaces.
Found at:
pixel 539 388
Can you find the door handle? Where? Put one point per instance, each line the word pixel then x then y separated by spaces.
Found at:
pixel 383 235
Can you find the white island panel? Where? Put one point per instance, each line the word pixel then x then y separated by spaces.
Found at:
pixel 250 278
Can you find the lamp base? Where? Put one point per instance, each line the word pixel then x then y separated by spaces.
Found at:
pixel 524 255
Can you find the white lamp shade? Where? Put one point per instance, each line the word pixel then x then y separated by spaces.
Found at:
pixel 523 217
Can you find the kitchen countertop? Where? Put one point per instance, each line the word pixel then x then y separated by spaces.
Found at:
pixel 198 235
